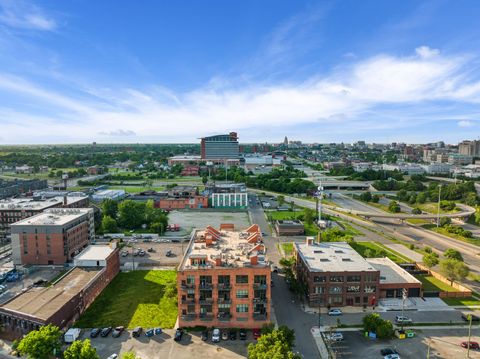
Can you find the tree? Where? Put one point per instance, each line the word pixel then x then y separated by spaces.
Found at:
pixel 366 196
pixel 157 227
pixel 430 259
pixel 394 207
pixel 444 221
pixel 81 350
pixel 129 355
pixel 375 198
pixel 109 225
pixel 110 208
pixel 275 345
pixel 376 324
pixel 308 216
pixel 454 270
pixel 204 180
pixel 131 214
pixel 421 197
pixel 280 200
pixel 416 210
pixel 43 343
pixel 451 253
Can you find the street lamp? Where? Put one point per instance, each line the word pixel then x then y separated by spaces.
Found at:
pixel 438 208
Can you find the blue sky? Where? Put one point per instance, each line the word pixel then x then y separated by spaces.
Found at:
pixel 171 71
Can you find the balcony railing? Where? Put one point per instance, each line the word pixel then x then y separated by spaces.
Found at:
pixel 224 300
pixel 188 317
pixel 224 317
pixel 260 285
pixel 207 317
pixel 205 300
pixel 259 300
pixel 187 286
pixel 206 286
pixel 224 286
pixel 188 300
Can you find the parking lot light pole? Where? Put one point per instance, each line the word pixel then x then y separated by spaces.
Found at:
pixel 469 335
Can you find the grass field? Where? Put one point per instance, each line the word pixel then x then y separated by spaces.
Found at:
pixel 467 302
pixel 138 298
pixel 383 207
pixel 417 221
pixel 376 251
pixel 287 248
pixel 432 284
pixel 432 207
pixel 433 227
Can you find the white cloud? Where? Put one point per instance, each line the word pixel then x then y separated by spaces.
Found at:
pixel 343 98
pixel 465 123
pixel 24 15
pixel 426 52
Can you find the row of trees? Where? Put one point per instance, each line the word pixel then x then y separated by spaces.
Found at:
pixel 452 267
pixel 464 192
pixel 132 215
pixel 46 343
pixel 274 344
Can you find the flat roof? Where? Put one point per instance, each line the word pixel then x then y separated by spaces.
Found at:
pixel 36 205
pixel 390 272
pixel 95 252
pixel 54 217
pixel 332 257
pixel 43 302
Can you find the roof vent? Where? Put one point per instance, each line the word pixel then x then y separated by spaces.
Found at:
pixel 346 260
pixel 324 260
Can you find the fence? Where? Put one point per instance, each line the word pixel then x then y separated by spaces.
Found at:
pixel 462 291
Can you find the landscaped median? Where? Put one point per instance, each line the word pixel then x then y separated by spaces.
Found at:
pixel 138 298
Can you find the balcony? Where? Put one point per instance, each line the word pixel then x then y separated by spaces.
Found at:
pixel 206 286
pixel 224 317
pixel 259 300
pixel 205 300
pixel 188 317
pixel 186 286
pixel 259 285
pixel 224 300
pixel 206 317
pixel 188 300
pixel 259 316
pixel 224 286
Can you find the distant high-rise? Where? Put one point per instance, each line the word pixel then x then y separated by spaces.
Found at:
pixel 285 141
pixel 220 147
pixel 469 148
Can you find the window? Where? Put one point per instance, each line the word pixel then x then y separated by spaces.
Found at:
pixel 319 279
pixel 260 279
pixel 223 280
pixel 242 279
pixel 205 280
pixel 319 290
pixel 335 290
pixel 337 300
pixel 242 308
pixel 190 279
pixel 336 278
pixel 357 300
pixel 242 293
pixel 370 278
pixel 354 278
pixel 365 300
pixel 224 306
pixel 353 289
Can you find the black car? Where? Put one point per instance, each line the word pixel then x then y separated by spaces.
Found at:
pixel 205 335
pixel 233 335
pixel 388 351
pixel 105 331
pixel 178 334
pixel 136 332
pixel 94 332
pixel 242 334
pixel 118 331
pixel 175 240
pixel 466 317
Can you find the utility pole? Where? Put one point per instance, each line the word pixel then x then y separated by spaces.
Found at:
pixel 404 296
pixel 469 335
pixel 438 208
pixel 320 195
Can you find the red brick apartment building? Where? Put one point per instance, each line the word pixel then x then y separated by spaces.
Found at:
pixel 63 302
pixel 224 279
pixel 182 197
pixel 52 237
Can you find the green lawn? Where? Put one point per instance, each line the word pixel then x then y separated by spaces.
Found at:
pixel 432 284
pixel 376 251
pixel 287 248
pixel 383 207
pixel 433 227
pixel 417 221
pixel 432 207
pixel 139 298
pixel 467 302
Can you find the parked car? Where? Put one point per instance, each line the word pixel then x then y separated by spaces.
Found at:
pixel 256 333
pixel 149 333
pixel 399 319
pixel 94 332
pixel 335 312
pixel 473 345
pixel 150 250
pixel 141 253
pixel 124 253
pixel 233 334
pixel 388 351
pixel 205 335
pixel 136 332
pixel 178 334
pixel 242 334
pixel 118 331
pixel 392 356
pixel 158 331
pixel 168 253
pixel 175 240
pixel 216 335
pixel 466 318
pixel 334 337
pixel 105 331
pixel 113 356
pixel 224 335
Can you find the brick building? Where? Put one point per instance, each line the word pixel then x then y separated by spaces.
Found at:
pixel 335 275
pixel 63 302
pixel 52 237
pixel 182 197
pixel 224 279
pixel 289 227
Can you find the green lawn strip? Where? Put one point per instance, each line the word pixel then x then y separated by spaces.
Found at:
pixel 287 248
pixel 434 228
pixel 467 302
pixel 432 207
pixel 432 284
pixel 377 251
pixel 383 207
pixel 418 221
pixel 138 298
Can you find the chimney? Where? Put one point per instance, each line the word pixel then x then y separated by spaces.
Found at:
pixel 208 240
pixel 113 244
pixel 65 201
pixel 218 262
pixel 309 241
pixel 254 260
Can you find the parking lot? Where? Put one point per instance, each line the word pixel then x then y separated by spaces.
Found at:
pixel 444 343
pixel 163 346
pixel 155 258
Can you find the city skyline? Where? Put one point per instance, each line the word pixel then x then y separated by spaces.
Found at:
pixel 167 73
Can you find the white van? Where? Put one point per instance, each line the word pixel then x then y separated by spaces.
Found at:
pixel 71 335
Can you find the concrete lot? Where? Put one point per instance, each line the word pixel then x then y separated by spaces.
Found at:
pixel 163 346
pixel 444 343
pixel 156 258
pixel 200 219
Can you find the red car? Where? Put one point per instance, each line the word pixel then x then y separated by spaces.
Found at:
pixel 256 333
pixel 473 345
